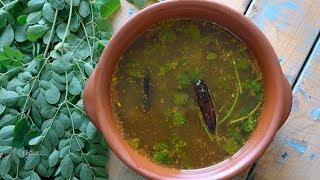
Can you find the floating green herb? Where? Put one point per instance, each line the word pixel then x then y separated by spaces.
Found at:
pixel 162 154
pixel 212 56
pixel 186 78
pixel 180 98
pixel 230 145
pixel 134 142
pixel 178 119
pixel 167 67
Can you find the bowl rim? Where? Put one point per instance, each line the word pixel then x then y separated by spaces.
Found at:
pixel 271 114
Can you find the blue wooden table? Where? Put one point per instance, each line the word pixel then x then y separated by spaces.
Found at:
pixel 293 28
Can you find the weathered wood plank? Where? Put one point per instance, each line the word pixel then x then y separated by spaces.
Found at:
pixel 295 152
pixel 127 10
pixel 291 26
pixel 239 5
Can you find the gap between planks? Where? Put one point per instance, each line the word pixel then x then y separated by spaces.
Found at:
pixel 305 63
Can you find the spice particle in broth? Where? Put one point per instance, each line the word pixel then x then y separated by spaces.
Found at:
pixel 155 103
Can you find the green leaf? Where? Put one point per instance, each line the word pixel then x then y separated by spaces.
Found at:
pixel 35 4
pixel 52 94
pixel 48 12
pixel 178 119
pixel 91 130
pixel 84 9
pixel 230 146
pixel 21 33
pixel 10 57
pixel 76 119
pixel 212 56
pixel 34 32
pixel 21 128
pixel 88 68
pixel 57 4
pixel 140 3
pixel 64 119
pixel 61 29
pixel 75 86
pixel 32 160
pixel 30 135
pixel 36 140
pixel 5 165
pixel 107 7
pixel 98 160
pixel 75 2
pixel 48 111
pixel 249 124
pixel 2 108
pixel 34 176
pixel 53 158
pixel 8 119
pixel 66 167
pixel 74 24
pixel 34 17
pixel 85 172
pixel 7 36
pixel 7 132
pixel 22 19
pixel 5 149
pixel 180 98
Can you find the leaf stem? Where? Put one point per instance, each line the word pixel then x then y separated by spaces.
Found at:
pixel 51 33
pixel 68 24
pixel 237 76
pixel 232 107
pixel 247 116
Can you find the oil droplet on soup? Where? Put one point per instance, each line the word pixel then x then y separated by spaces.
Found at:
pixel 155 105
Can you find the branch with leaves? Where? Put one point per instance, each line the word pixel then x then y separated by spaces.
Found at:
pixel 48 49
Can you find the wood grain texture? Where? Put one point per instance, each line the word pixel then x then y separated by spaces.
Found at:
pixel 127 10
pixel 291 26
pixel 295 152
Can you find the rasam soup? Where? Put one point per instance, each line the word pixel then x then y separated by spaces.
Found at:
pixel 187 94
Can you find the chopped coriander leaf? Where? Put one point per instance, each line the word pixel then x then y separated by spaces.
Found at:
pixel 183 80
pixel 162 154
pixel 180 98
pixel 163 157
pixel 230 145
pixel 235 133
pixel 178 119
pixel 186 78
pixel 254 86
pixel 249 124
pixel 178 143
pixel 161 146
pixel 167 35
pixel 243 63
pixel 133 70
pixel 134 142
pixel 167 67
pixel 192 31
pixel 212 56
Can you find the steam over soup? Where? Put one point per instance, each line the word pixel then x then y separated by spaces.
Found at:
pixel 187 94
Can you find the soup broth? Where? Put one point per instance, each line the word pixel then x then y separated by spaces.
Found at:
pixel 154 100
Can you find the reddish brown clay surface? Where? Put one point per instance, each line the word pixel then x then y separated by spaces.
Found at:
pixel 277 96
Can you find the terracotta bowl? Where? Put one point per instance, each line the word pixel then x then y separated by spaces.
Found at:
pixel 277 97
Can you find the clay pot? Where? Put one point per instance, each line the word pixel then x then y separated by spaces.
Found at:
pixel 277 92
